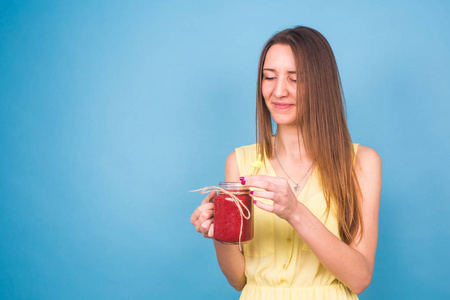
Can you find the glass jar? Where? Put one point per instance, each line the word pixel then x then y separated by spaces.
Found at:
pixel 227 216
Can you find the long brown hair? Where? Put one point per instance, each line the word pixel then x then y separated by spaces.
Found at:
pixel 321 120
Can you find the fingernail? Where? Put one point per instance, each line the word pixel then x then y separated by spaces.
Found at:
pixel 251 192
pixel 241 178
pixel 243 182
pixel 254 201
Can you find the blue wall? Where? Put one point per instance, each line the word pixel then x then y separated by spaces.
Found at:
pixel 110 112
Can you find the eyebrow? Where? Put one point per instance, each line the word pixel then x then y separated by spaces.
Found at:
pixel 273 70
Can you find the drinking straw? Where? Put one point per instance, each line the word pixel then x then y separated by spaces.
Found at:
pixel 256 165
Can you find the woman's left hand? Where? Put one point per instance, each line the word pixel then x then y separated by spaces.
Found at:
pixel 276 189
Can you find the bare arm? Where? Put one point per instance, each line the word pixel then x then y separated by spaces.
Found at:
pixel 351 264
pixel 231 260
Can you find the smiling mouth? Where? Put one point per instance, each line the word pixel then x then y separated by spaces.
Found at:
pixel 282 106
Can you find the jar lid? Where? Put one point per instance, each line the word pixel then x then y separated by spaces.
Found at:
pixel 232 185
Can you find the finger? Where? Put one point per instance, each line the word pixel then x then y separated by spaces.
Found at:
pixel 265 184
pixel 263 194
pixel 264 206
pixel 268 183
pixel 205 227
pixel 210 196
pixel 259 177
pixel 204 216
pixel 274 179
pixel 211 230
pixel 201 208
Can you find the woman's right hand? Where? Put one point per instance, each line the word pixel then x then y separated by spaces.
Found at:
pixel 203 216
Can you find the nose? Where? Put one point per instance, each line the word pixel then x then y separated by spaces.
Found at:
pixel 281 88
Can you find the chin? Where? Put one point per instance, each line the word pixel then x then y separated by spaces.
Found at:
pixel 284 121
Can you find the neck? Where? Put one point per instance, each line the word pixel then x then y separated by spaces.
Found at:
pixel 289 142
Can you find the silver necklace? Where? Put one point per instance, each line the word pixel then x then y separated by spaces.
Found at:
pixel 296 185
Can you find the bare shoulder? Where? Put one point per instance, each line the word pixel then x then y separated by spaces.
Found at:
pixel 231 168
pixel 231 162
pixel 368 171
pixel 368 159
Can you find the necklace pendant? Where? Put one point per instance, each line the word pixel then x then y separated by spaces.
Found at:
pixel 297 188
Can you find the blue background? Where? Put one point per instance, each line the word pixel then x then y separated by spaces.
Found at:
pixel 110 112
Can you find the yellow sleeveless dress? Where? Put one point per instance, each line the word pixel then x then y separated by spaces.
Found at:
pixel 278 264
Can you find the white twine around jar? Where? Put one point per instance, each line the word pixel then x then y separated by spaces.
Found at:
pixel 236 200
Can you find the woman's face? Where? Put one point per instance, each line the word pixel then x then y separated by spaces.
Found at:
pixel 279 84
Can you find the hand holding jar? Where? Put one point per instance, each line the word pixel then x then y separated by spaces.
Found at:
pixel 203 216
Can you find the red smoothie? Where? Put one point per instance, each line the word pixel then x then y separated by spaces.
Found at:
pixel 227 218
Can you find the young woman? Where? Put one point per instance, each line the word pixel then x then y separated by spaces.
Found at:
pixel 317 195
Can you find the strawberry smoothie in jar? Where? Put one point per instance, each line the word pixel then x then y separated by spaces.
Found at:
pixel 231 224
